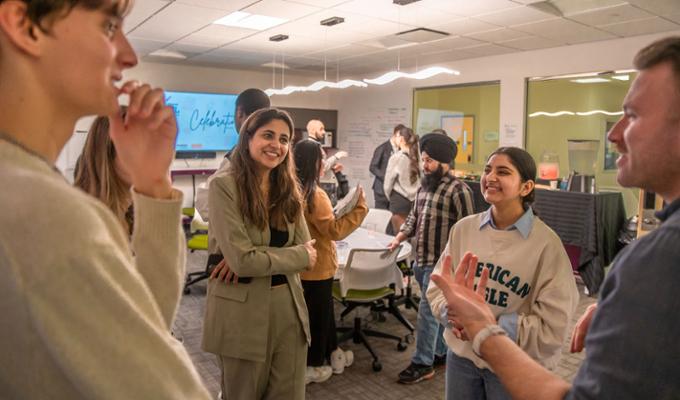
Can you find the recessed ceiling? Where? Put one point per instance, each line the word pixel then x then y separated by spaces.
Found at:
pixel 358 45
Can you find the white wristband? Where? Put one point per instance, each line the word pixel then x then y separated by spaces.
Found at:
pixel 481 336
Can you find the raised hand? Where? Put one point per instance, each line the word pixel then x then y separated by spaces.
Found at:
pixel 578 336
pixel 145 139
pixel 466 304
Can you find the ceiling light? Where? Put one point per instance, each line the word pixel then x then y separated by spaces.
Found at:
pixel 315 87
pixel 423 74
pixel 246 20
pixel 168 54
pixel 579 113
pixel 403 2
pixel 332 21
pixel 621 77
pixel 590 80
pixel 278 38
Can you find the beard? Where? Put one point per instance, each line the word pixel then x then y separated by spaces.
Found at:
pixel 430 182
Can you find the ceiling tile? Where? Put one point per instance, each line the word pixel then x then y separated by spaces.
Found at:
pixel 488 50
pixel 281 9
pixel 141 11
pixel 143 47
pixel 344 51
pixel 411 14
pixel 531 43
pixel 466 26
pixel 498 35
pixel 658 7
pixel 294 45
pixel 641 27
pixel 319 3
pixel 467 7
pixel 673 17
pixel 564 31
pixel 514 16
pixel 227 5
pixel 610 15
pixel 176 21
pixel 216 35
pixel 569 7
pixel 187 49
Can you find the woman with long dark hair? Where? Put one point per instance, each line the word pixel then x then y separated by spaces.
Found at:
pixel 318 282
pixel 257 325
pixel 402 176
pixel 531 287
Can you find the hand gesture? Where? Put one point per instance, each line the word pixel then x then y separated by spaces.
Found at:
pixel 145 139
pixel 578 336
pixel 393 244
pixel 309 246
pixel 466 304
pixel 223 273
pixel 337 167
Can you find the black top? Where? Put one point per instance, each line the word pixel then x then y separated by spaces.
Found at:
pixel 278 239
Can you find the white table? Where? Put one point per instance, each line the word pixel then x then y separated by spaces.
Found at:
pixel 366 239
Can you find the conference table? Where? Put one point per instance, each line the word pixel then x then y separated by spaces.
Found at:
pixel 366 239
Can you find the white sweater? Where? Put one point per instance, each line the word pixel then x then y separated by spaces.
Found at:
pixel 531 277
pixel 398 177
pixel 82 318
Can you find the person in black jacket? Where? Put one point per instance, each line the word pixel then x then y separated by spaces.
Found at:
pixel 378 165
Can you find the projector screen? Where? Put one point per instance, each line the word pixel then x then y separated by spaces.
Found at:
pixel 205 121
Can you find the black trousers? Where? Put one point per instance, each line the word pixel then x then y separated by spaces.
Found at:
pixel 319 298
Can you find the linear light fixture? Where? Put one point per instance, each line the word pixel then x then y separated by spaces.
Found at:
pixel 590 80
pixel 579 113
pixel 422 74
pixel 621 77
pixel 315 87
pixel 168 54
pixel 241 19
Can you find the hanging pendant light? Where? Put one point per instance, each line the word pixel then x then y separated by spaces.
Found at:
pixel 422 74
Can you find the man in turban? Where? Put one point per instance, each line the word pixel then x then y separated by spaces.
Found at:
pixel 440 202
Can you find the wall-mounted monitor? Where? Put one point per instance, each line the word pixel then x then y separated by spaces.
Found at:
pixel 205 121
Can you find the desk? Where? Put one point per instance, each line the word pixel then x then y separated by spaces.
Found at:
pixel 589 222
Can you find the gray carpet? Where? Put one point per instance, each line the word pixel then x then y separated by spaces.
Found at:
pixel 358 381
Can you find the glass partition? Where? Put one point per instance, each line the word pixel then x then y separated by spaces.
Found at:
pixel 468 113
pixel 567 123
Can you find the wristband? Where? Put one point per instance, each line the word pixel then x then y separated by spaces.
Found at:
pixel 481 336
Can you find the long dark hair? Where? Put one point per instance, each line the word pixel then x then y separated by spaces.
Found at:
pixel 308 158
pixel 526 166
pixel 411 140
pixel 284 194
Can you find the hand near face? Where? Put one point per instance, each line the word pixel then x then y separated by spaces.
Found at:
pixel 145 139
pixel 467 307
pixel 578 337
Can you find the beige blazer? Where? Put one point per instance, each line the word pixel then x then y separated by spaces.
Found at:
pixel 237 316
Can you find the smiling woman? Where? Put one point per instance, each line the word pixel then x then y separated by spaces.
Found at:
pixel 256 223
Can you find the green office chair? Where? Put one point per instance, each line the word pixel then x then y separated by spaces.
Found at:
pixel 197 240
pixel 370 277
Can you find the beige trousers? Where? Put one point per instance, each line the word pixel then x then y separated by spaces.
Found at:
pixel 282 374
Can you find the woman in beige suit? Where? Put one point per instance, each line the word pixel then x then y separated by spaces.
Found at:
pixel 257 324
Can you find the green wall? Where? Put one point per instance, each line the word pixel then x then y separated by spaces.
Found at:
pixel 482 101
pixel 551 133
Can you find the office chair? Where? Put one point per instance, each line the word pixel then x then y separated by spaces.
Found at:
pixel 369 277
pixel 377 220
pixel 197 240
